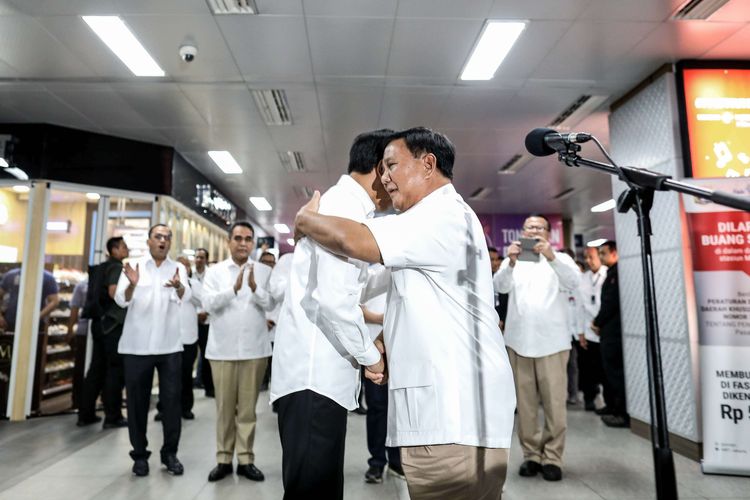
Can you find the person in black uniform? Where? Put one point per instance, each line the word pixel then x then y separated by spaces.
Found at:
pixel 501 299
pixel 607 325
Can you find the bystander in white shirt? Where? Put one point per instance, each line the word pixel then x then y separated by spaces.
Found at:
pixel 189 313
pixel 321 337
pixel 152 324
pixel 277 284
pixel 537 323
pixel 590 300
pixel 450 381
pixel 238 328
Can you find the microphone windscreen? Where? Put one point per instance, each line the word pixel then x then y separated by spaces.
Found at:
pixel 535 143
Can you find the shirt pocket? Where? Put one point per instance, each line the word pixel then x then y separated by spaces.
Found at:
pixel 414 399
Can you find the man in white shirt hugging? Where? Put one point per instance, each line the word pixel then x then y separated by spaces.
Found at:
pixel 537 334
pixel 322 339
pixel 235 296
pixel 153 288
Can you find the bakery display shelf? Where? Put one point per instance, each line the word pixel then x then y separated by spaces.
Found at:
pixel 57 389
pixel 57 349
pixel 58 368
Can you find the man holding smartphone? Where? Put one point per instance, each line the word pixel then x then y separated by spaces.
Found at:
pixel 538 340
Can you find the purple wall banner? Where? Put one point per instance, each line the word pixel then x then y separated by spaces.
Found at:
pixel 501 230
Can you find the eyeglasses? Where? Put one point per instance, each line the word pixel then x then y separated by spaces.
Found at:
pixel 162 237
pixel 534 228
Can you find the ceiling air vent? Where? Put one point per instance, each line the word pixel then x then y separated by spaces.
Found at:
pixel 563 194
pixel 698 9
pixel 514 164
pixel 292 161
pixel 223 7
pixel 303 192
pixel 481 193
pixel 273 106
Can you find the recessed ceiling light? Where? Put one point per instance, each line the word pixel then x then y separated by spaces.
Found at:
pixel 21 189
pixel 260 203
pixel 225 161
pixel 596 243
pixel 495 42
pixel 282 228
pixel 116 35
pixel 93 196
pixel 603 207
pixel 290 241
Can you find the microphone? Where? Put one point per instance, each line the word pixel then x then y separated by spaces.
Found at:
pixel 547 141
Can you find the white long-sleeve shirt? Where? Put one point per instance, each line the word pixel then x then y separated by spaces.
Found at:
pixel 590 300
pixel 321 337
pixel 238 328
pixel 152 324
pixel 537 323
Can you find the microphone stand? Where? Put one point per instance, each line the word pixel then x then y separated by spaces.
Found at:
pixel 639 198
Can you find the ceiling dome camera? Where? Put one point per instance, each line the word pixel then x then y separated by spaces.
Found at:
pixel 188 53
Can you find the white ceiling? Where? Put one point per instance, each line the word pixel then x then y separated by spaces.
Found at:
pixel 349 66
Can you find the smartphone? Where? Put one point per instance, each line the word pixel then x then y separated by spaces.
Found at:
pixel 527 250
pixel 269 240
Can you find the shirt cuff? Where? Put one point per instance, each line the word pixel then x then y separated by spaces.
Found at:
pixel 371 356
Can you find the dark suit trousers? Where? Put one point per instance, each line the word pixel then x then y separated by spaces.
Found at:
pixel 205 367
pixel 590 373
pixel 313 434
pixel 139 376
pixel 615 372
pixel 376 397
pixel 105 376
pixel 189 352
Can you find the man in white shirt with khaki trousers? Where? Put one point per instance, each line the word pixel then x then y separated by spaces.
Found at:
pixel 450 389
pixel 537 334
pixel 236 298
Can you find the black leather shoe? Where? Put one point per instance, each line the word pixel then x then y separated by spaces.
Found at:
pixel 551 472
pixel 616 420
pixel 590 406
pixel 188 415
pixel 374 475
pixel 220 472
pixel 83 422
pixel 157 417
pixel 250 471
pixel 606 410
pixel 173 465
pixel 529 468
pixel 115 424
pixel 140 467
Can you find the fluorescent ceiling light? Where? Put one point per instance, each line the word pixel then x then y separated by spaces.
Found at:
pixel 260 203
pixel 495 42
pixel 58 226
pixel 603 207
pixel 93 196
pixel 3 163
pixel 21 189
pixel 290 241
pixel 282 228
pixel 225 161
pixel 596 243
pixel 116 35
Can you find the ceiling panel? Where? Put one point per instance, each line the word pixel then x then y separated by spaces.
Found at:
pixel 151 135
pixel 99 103
pixel 360 45
pixel 538 9
pixel 306 140
pixel 631 10
pixel 279 7
pixel 476 9
pixel 268 47
pixel 405 107
pixel 432 47
pixel 109 7
pixel 733 47
pixel 351 8
pixel 303 103
pixel 225 104
pixel 732 12
pixel 162 105
pixel 42 107
pixel 534 44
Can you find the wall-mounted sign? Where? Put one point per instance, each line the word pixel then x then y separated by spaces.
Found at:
pixel 715 118
pixel 207 198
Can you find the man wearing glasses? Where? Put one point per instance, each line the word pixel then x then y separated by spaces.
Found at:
pixel 538 341
pixel 153 288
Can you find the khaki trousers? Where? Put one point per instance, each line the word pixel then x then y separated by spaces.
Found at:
pixel 544 379
pixel 453 471
pixel 237 384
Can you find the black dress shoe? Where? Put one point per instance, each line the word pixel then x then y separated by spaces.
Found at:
pixel 606 410
pixel 121 422
pixel 83 422
pixel 220 472
pixel 188 415
pixel 374 475
pixel 529 468
pixel 140 467
pixel 616 420
pixel 210 394
pixel 590 406
pixel 250 471
pixel 551 472
pixel 157 417
pixel 173 465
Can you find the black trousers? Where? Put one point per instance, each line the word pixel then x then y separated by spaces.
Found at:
pixel 205 367
pixel 139 376
pixel 590 372
pixel 313 433
pixel 105 376
pixel 189 351
pixel 376 397
pixel 615 372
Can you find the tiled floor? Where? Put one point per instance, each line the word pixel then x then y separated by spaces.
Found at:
pixel 50 458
